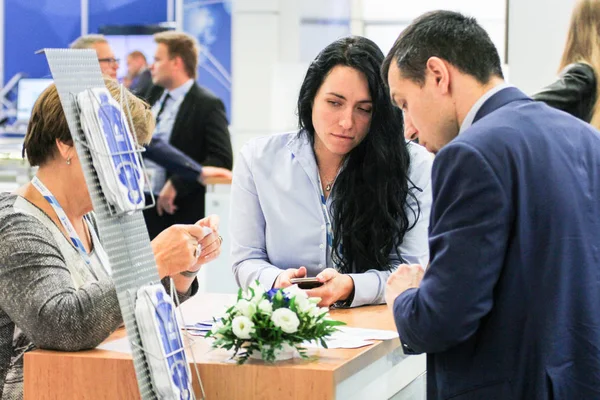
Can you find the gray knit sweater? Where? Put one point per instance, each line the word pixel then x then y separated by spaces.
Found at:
pixel 46 301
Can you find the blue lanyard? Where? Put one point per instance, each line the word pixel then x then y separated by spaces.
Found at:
pixel 328 224
pixel 62 217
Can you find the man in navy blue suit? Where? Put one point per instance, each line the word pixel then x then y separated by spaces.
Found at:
pixel 509 307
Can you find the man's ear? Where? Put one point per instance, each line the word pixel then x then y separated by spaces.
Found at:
pixel 179 62
pixel 439 72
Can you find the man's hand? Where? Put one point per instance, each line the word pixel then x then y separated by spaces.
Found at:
pixel 214 173
pixel 166 199
pixel 283 279
pixel 404 278
pixel 335 287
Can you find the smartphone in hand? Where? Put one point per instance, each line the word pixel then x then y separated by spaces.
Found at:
pixel 306 283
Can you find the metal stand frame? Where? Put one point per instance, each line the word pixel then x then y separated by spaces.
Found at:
pixel 124 235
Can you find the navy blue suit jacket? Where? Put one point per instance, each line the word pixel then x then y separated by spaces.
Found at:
pixel 510 305
pixel 173 160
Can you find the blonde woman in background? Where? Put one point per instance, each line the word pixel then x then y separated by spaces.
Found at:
pixel 577 87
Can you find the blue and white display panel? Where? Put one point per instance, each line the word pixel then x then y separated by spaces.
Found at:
pixel 210 23
pixel 113 148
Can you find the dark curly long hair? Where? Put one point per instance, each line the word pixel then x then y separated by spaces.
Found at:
pixel 369 198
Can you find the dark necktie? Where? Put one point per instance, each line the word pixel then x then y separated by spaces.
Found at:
pixel 162 107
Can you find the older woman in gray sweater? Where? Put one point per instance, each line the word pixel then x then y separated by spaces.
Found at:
pixel 55 294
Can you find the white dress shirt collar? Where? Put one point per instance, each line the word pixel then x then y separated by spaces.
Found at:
pixel 179 92
pixel 468 121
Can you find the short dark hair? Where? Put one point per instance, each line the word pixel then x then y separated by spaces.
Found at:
pixel 137 54
pixel 87 41
pixel 449 35
pixel 180 44
pixel 370 209
pixel 46 125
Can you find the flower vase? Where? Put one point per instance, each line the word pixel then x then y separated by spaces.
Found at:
pixel 285 353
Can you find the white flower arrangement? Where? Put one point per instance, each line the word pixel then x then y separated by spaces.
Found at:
pixel 265 322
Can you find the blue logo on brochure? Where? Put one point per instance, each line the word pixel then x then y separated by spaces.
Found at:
pixel 121 148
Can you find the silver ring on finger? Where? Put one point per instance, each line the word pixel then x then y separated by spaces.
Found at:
pixel 197 250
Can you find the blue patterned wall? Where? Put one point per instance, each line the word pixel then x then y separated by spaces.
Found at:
pixel 125 12
pixel 210 23
pixel 34 24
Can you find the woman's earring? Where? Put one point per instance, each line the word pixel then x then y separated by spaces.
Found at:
pixel 68 160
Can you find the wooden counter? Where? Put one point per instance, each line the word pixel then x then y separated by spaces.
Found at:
pixel 379 371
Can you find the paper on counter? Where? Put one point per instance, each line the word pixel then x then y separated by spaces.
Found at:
pixel 368 334
pixel 120 345
pixel 344 343
pixel 196 333
pixel 201 326
pixel 346 338
pixel 352 338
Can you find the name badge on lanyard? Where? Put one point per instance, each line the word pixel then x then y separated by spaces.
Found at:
pixel 73 236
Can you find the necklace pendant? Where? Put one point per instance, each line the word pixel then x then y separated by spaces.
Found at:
pixel 328 187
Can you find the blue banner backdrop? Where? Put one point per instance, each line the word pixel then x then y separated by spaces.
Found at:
pixel 209 22
pixel 33 25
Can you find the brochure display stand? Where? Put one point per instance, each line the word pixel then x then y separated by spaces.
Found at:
pixel 116 178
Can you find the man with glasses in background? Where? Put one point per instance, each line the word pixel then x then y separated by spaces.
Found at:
pixel 106 57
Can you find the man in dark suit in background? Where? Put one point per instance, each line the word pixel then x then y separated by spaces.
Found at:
pixel 158 151
pixel 192 120
pixel 509 307
pixel 138 76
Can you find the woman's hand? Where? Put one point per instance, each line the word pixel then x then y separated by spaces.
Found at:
pixel 283 279
pixel 211 243
pixel 335 287
pixel 175 248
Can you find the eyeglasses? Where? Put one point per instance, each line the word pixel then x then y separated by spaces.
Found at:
pixel 109 60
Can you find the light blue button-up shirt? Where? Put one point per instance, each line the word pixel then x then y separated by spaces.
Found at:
pixel 164 128
pixel 277 221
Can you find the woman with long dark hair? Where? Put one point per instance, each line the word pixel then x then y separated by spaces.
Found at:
pixel 345 198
